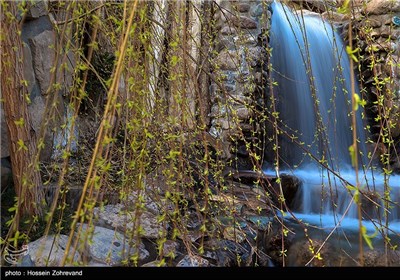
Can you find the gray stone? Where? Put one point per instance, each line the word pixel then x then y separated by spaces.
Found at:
pixel 228 30
pixel 381 7
pixel 43 58
pixel 244 22
pixel 170 248
pixel 257 10
pixel 110 247
pixel 36 9
pixel 37 108
pixel 228 60
pixel 254 55
pixel 193 261
pixel 243 113
pixel 116 217
pixel 95 264
pixel 29 74
pixel 242 7
pixel 49 251
pixel 32 28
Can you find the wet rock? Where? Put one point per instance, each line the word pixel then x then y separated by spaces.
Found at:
pixel 303 253
pixel 49 251
pixel 273 244
pixel 110 247
pixel 261 222
pixel 290 186
pixel 193 261
pixel 228 253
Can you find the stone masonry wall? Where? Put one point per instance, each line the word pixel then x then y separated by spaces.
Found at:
pixel 238 78
pixel 377 26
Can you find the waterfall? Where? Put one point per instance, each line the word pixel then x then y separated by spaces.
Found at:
pixel 312 88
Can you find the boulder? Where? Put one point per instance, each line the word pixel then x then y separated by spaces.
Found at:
pixel 49 251
pixel 43 53
pixel 116 217
pixel 36 9
pixel 29 74
pixel 110 247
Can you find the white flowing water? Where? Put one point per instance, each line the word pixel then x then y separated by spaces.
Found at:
pixel 311 73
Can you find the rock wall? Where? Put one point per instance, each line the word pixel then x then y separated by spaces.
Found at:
pixel 238 75
pixel 39 44
pixel 377 30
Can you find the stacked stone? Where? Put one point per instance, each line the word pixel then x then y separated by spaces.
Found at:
pixel 379 27
pixel 237 70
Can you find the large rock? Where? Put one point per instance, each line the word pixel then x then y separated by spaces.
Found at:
pixel 36 9
pixel 43 58
pixel 381 7
pixel 49 251
pixel 115 216
pixel 110 247
pixel 29 74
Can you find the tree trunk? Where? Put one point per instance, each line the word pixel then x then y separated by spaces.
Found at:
pixel 27 181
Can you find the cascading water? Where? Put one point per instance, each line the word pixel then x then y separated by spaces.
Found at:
pixel 312 86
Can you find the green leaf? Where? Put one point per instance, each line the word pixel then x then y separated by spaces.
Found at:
pixel 344 9
pixel 353 155
pixel 367 237
pixel 356 101
pixel 20 122
pixel 21 145
pixel 351 53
